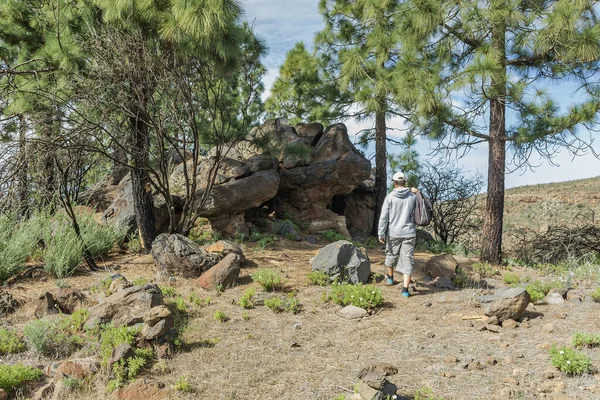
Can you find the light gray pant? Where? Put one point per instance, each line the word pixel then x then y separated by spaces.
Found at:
pixel 400 252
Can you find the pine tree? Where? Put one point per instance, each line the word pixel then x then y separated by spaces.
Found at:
pixel 467 65
pixel 360 46
pixel 303 93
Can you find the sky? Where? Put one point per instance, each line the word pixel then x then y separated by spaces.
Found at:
pixel 282 23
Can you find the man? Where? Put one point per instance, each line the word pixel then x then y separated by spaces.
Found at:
pixel 396 224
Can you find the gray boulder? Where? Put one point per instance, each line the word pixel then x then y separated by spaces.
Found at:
pixel 176 255
pixel 343 261
pixel 505 304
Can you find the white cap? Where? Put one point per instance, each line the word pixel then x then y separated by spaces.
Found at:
pixel 398 176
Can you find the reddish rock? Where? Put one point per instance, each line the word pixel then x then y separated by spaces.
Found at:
pixel 225 273
pixel 142 390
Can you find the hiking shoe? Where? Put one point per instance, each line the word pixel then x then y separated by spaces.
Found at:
pixel 389 280
pixel 405 294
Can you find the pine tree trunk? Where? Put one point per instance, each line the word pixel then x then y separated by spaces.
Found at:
pixel 22 174
pixel 380 166
pixel 48 174
pixel 491 249
pixel 140 181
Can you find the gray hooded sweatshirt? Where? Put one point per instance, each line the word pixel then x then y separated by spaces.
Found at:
pixel 397 214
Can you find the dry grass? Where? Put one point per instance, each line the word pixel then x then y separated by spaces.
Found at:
pixel 316 354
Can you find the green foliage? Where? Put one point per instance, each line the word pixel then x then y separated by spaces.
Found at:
pixel 538 290
pixel 220 316
pixel 10 342
pixel 126 370
pixel 63 252
pixel 510 278
pixel 140 281
pixel 318 278
pixel 14 376
pixel 461 279
pixel 134 244
pixel 168 291
pixel 570 361
pixel 183 385
pixel 290 304
pixel 18 241
pixel 99 239
pixel 332 236
pixel 596 295
pixel 246 299
pixel 484 269
pixel 55 337
pixel 111 337
pixel 586 340
pixel 426 394
pixel 301 152
pixel 262 239
pixel 269 279
pixel 364 296
pixel 72 384
pixel 439 247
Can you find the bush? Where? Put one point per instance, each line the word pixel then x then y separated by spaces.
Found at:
pixel 596 295
pixel 364 296
pixel 269 279
pixel 538 290
pixel 570 361
pixel 462 279
pixel 182 385
pixel 220 316
pixel 63 252
pixel 586 340
pixel 99 239
pixel 10 342
pixel 14 376
pixel 111 337
pixel 56 337
pixel 18 241
pixel 439 247
pixel 126 370
pixel 510 278
pixel 333 236
pixel 290 304
pixel 484 269
pixel 318 278
pixel 246 299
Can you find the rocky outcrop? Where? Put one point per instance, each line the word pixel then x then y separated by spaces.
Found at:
pixel 343 261
pixel 176 255
pixel 359 207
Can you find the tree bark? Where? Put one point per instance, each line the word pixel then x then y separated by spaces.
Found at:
pixel 380 166
pixel 143 203
pixel 48 174
pixel 491 248
pixel 23 165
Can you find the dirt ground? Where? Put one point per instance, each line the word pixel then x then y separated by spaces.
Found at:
pixel 317 353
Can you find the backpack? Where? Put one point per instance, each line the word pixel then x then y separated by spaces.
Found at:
pixel 423 210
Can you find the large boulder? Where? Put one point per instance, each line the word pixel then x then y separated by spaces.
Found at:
pixel 126 307
pixel 337 168
pixel 226 204
pixel 176 255
pixel 311 131
pixel 343 261
pixel 228 170
pixel 505 303
pixel 103 193
pixel 224 274
pixel 443 265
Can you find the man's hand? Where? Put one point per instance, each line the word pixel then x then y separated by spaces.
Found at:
pixel 414 190
pixel 382 240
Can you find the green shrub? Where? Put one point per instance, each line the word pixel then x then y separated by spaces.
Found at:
pixel 10 342
pixel 596 295
pixel 332 236
pixel 510 278
pixel 289 304
pixel 220 316
pixel 585 340
pixel 126 370
pixel 111 337
pixel 484 269
pixel 134 244
pixel 182 385
pixel 438 247
pixel 269 279
pixel 168 291
pixel 99 239
pixel 364 296
pixel 570 361
pixel 72 384
pixel 56 337
pixel 63 252
pixel 139 281
pixel 18 241
pixel 246 299
pixel 461 279
pixel 14 376
pixel 538 290
pixel 318 278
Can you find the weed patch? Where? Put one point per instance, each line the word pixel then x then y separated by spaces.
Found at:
pixel 318 278
pixel 15 376
pixel 246 299
pixel 570 361
pixel 581 340
pixel 269 279
pixel 10 342
pixel 364 296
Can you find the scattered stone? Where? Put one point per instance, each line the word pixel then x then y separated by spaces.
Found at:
pixel 142 390
pixel 157 322
pixel 442 282
pixel 122 351
pixel 491 360
pixel 493 328
pixel 506 303
pixel 444 265
pixel 509 324
pixel 575 296
pixel 343 261
pixel 70 300
pixel 450 360
pixel 126 307
pixel 223 275
pixel 554 298
pixel 118 284
pixel 548 328
pixel 510 380
pixel 448 374
pixel 353 312
pixel 177 255
pixel 297 326
pixel 493 320
pixel 475 366
pixel 311 240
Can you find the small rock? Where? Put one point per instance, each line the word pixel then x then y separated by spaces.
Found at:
pixel 310 239
pixel 119 284
pixel 297 326
pixel 430 335
pixel 426 303
pixel 554 298
pixel 491 360
pixel 444 265
pixel 450 360
pixel 493 328
pixel 475 366
pixel 509 324
pixel 493 320
pixel 442 282
pixel 548 328
pixel 121 352
pixel 510 380
pixel 575 296
pixel 70 300
pixel 151 332
pixel 448 374
pixel 505 303
pixel 353 312
pixel 224 274
pixel 525 325
pixel 155 314
pixel 142 390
